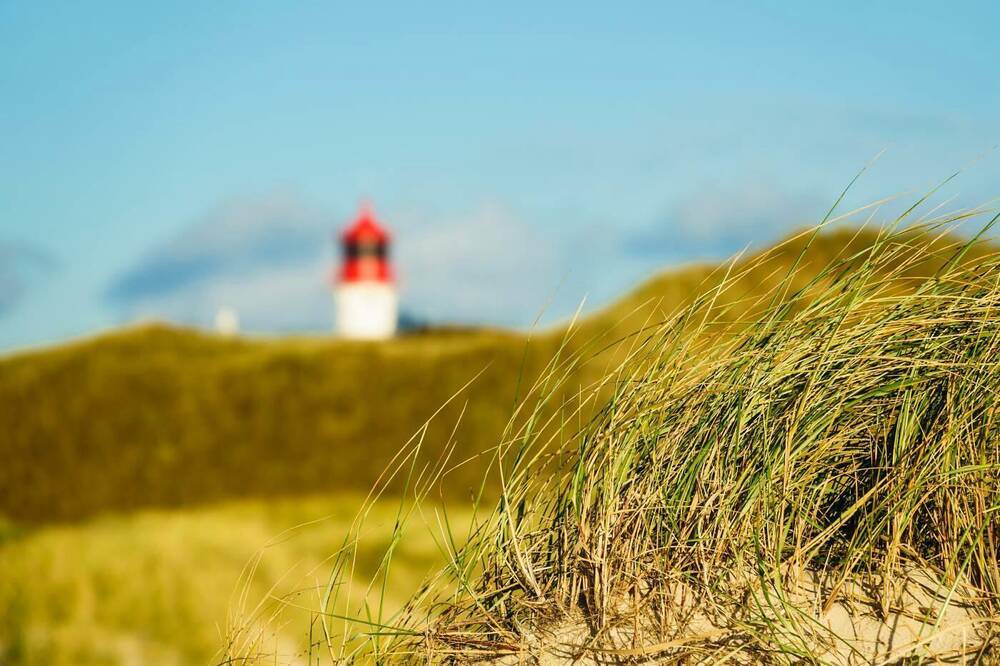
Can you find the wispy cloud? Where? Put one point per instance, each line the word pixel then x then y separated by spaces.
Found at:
pixel 21 266
pixel 486 264
pixel 270 259
pixel 713 222
pixel 265 256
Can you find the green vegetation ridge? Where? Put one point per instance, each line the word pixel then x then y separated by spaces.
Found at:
pixel 161 416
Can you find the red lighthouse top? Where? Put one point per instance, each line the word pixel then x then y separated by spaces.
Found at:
pixel 365 248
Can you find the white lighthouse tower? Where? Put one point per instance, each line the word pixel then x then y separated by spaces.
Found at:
pixel 367 301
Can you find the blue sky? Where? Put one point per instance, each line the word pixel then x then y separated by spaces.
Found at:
pixel 163 161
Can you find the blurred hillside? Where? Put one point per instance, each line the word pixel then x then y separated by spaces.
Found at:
pixel 158 586
pixel 160 416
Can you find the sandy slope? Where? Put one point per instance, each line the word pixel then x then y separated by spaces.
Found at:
pixel 921 621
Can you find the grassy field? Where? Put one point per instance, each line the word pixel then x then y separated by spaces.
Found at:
pixel 157 586
pixel 159 416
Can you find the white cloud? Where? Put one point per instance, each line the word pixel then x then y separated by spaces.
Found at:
pixel 486 265
pixel 271 260
pixel 714 222
pixel 20 267
pixel 282 298
pixel 266 257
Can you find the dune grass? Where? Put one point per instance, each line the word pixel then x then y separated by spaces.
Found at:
pixel 157 416
pixel 846 433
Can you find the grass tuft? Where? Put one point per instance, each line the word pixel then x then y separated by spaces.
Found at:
pixel 742 469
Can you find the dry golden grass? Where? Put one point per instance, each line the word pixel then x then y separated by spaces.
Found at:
pixel 157 587
pixel 846 435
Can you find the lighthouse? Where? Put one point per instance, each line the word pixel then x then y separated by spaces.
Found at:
pixel 367 302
